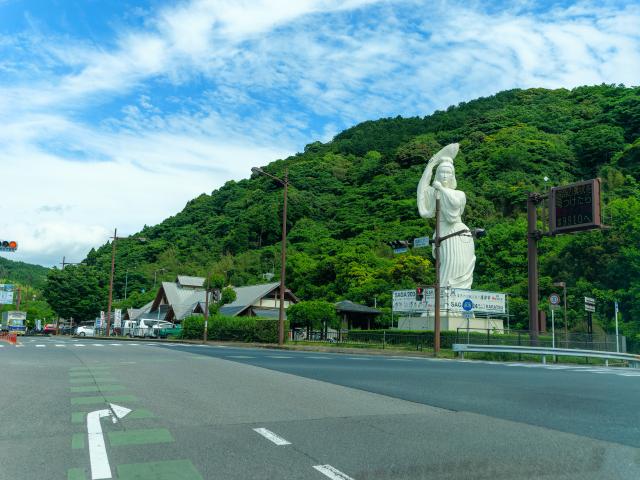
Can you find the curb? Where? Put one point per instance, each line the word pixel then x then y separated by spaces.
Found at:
pixel 272 346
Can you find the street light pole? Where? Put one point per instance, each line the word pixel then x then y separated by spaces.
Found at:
pixel 283 248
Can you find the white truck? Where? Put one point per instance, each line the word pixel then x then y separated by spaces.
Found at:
pixel 14 321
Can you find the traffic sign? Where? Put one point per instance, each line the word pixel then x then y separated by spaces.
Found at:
pixel 467 315
pixel 467 305
pixel 420 242
pixel 589 304
pixel 554 299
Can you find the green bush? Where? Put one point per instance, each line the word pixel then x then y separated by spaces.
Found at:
pixel 193 327
pixel 237 329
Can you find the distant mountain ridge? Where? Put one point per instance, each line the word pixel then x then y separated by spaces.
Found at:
pixel 351 196
pixel 23 273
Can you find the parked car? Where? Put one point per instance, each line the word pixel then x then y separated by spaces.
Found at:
pixel 171 330
pixel 85 331
pixel 49 328
pixel 65 330
pixel 148 328
pixel 127 329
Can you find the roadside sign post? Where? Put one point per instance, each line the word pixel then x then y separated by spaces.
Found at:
pixel 467 307
pixel 590 308
pixel 615 305
pixel 554 301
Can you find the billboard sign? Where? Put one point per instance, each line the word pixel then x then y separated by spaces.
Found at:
pixel 453 300
pixel 6 294
pixel 575 207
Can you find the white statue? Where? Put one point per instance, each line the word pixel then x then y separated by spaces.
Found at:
pixel 457 253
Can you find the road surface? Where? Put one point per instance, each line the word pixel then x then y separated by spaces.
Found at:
pixel 208 412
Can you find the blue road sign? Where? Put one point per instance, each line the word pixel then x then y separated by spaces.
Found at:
pixel 467 305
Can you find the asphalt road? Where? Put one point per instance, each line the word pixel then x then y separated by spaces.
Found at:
pixel 232 413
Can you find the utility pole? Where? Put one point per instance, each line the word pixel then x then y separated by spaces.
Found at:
pixel 206 310
pixel 113 268
pixel 533 235
pixel 283 250
pixel 436 293
pixel 283 261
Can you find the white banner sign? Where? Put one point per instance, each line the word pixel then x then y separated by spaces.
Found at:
pixel 451 300
pixel 6 294
pixel 117 318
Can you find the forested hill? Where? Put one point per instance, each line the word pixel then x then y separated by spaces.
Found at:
pixel 352 195
pixel 22 273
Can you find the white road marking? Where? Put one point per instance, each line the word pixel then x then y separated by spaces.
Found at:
pixel 18 346
pixel 358 358
pixel 238 356
pixel 269 435
pixel 97 344
pixel 1 346
pixel 116 344
pixel 399 359
pixel 277 356
pixel 332 473
pixel 40 346
pixel 135 344
pixel 60 345
pixel 79 345
pixel 100 468
pixel 320 358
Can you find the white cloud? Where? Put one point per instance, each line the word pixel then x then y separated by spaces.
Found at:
pixel 249 82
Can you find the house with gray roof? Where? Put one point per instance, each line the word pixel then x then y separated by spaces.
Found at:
pixel 186 296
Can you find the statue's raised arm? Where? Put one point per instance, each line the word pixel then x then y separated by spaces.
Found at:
pixel 426 192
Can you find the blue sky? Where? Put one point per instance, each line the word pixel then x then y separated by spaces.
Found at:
pixel 115 114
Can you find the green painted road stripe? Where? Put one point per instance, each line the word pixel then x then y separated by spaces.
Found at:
pixel 92 380
pixel 96 388
pixel 88 374
pixel 103 399
pixel 168 470
pixel 140 414
pixel 143 436
pixel 77 441
pixel 77 417
pixel 76 474
pixel 87 369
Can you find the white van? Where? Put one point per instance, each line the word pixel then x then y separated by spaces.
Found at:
pixel 148 327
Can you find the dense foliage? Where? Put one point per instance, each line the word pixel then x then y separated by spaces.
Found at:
pixel 352 195
pixel 22 273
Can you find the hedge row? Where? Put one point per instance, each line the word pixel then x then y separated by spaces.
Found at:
pixel 239 329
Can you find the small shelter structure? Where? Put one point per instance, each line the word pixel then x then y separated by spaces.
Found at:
pixel 355 315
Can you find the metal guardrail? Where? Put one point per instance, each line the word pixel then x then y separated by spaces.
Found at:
pixel 633 360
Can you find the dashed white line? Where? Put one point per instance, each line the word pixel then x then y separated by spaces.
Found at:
pixel 278 356
pixel 332 473
pixel 358 358
pixel 269 435
pixel 116 344
pixel 40 346
pixel 98 344
pixel 320 358
pixel 80 345
pixel 59 345
pixel 238 356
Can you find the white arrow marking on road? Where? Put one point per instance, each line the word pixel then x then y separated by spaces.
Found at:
pixel 332 473
pixel 100 468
